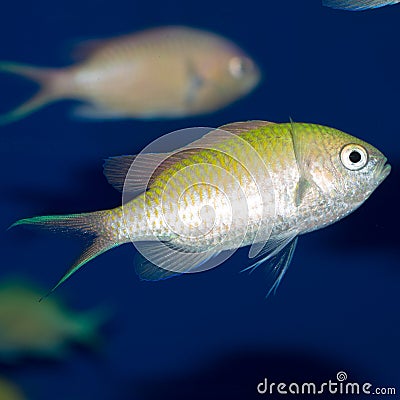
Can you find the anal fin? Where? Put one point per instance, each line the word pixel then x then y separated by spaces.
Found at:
pixel 159 261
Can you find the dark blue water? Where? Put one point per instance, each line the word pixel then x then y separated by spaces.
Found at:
pixel 211 335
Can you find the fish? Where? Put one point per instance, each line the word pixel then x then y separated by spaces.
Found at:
pixel 29 329
pixel 10 391
pixel 358 5
pixel 160 73
pixel 253 183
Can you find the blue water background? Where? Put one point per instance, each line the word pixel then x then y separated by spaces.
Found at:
pixel 210 335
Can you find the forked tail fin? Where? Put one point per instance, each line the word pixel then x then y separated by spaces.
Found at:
pixel 93 225
pixel 52 88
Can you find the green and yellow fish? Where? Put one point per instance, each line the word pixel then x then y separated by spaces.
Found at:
pixel 41 330
pixel 165 72
pixel 9 391
pixel 247 183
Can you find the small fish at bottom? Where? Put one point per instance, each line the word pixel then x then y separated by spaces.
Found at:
pixel 29 328
pixel 9 391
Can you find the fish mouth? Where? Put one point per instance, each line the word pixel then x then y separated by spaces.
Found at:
pixel 383 170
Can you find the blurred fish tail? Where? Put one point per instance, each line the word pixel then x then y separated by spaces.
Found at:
pixel 95 225
pixel 89 326
pixel 52 84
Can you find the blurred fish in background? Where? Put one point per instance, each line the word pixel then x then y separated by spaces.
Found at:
pixel 358 5
pixel 9 391
pixel 165 72
pixel 29 328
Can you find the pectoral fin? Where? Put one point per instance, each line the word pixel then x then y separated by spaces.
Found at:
pixel 324 181
pixel 306 181
pixel 302 188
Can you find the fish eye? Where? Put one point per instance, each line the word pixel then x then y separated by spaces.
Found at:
pixel 354 157
pixel 238 66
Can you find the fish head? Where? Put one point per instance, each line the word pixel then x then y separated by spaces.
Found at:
pixel 227 76
pixel 241 72
pixel 345 169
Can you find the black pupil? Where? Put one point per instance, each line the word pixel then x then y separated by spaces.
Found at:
pixel 355 157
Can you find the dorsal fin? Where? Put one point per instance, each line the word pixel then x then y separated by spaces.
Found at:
pixel 240 127
pixel 86 48
pixel 150 165
pixel 225 132
pixel 147 167
pixel 116 171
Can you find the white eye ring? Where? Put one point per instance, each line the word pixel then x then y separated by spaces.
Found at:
pixel 354 157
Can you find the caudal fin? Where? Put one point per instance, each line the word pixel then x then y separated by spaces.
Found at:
pixel 49 91
pixel 93 225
